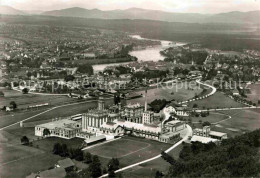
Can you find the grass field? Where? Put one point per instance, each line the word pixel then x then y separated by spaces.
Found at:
pixel 47 144
pixel 218 100
pixel 128 150
pixel 178 92
pixel 25 100
pixel 212 117
pixel 242 120
pixel 9 118
pixel 17 160
pixel 149 169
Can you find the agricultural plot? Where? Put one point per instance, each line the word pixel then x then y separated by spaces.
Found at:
pixel 12 117
pixel 218 100
pixel 25 100
pixel 17 160
pixel 149 169
pixel 213 117
pixel 178 92
pixel 242 120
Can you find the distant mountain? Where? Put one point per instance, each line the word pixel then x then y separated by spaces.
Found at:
pixel 137 13
pixel 10 11
pixel 252 17
pixel 32 12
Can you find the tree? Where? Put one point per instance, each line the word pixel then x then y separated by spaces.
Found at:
pixel 57 149
pixel 87 157
pixel 25 140
pixel 158 174
pixel 206 123
pixel 69 78
pixel 25 91
pixel 64 150
pixel 85 69
pixel 46 132
pixel 13 104
pixel 95 167
pixel 116 98
pixel 111 173
pixel 113 164
pixel 195 105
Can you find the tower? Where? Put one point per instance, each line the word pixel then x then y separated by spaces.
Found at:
pixel 101 104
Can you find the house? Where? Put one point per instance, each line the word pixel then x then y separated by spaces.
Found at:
pixel 235 92
pixel 112 128
pixel 182 111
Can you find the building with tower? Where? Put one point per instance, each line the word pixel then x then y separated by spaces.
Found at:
pixel 92 120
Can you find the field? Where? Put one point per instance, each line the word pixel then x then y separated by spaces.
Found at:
pixel 241 121
pixel 128 150
pixel 25 100
pixel 218 100
pixel 12 117
pixel 178 92
pixel 149 169
pixel 17 160
pixel 48 143
pixel 213 117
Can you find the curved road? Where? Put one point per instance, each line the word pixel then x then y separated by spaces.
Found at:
pixel 189 133
pixel 202 97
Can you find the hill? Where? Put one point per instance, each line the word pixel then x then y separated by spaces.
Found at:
pixel 137 13
pixel 10 11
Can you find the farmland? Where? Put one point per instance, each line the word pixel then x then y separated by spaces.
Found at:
pixel 25 100
pixel 79 107
pixel 13 154
pixel 212 117
pixel 218 100
pixel 149 169
pixel 241 121
pixel 178 92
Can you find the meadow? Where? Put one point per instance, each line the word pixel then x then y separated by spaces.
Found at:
pixel 217 100
pixel 177 92
pixel 25 100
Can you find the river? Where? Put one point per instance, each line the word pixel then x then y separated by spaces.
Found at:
pixel 147 54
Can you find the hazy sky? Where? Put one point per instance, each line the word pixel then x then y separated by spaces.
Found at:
pixel 198 6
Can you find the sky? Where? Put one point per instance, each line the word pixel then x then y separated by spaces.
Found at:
pixel 185 6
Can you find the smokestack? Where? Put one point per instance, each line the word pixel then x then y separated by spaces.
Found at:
pixel 145 105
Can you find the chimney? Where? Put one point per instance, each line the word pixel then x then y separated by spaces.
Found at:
pixel 145 105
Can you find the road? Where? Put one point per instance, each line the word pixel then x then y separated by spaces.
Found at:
pixel 227 109
pixel 202 97
pixel 189 133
